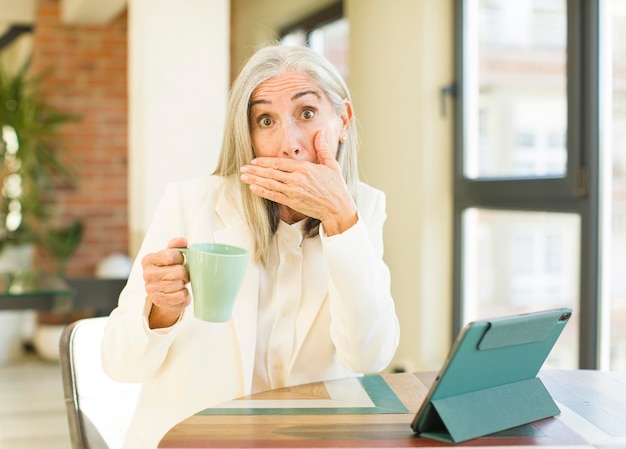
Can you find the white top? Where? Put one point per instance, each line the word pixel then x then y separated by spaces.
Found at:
pixel 281 289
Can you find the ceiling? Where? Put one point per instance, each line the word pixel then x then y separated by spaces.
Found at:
pixel 18 16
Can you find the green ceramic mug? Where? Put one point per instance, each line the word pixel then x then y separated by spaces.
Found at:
pixel 216 271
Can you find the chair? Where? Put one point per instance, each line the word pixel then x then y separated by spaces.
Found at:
pixel 99 409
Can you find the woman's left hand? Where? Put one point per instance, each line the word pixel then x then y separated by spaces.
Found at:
pixel 315 190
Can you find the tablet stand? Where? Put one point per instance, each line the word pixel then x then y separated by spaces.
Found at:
pixel 490 383
pixel 479 413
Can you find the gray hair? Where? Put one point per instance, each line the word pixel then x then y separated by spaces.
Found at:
pixel 266 63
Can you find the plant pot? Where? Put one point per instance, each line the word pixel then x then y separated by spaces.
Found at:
pixel 11 337
pixel 46 340
pixel 50 325
pixel 13 323
pixel 17 258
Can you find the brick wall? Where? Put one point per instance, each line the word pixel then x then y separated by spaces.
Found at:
pixel 89 77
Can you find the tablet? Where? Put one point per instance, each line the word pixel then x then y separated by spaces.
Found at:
pixel 489 382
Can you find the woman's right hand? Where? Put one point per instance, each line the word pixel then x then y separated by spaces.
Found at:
pixel 165 277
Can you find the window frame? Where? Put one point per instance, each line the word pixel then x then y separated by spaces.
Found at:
pixel 578 192
pixel 311 23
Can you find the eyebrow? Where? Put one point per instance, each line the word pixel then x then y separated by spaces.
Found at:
pixel 306 92
pixel 294 97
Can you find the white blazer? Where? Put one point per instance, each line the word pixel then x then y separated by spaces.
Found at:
pixel 349 328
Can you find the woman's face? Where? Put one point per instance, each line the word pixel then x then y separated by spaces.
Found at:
pixel 288 111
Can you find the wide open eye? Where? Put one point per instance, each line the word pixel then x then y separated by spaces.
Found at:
pixel 307 114
pixel 265 121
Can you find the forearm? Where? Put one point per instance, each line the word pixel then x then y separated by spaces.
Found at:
pixel 131 352
pixel 364 325
pixel 159 318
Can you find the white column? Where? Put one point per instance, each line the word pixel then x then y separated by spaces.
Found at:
pixel 178 86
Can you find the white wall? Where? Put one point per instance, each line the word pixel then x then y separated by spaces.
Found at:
pixel 401 55
pixel 13 57
pixel 179 57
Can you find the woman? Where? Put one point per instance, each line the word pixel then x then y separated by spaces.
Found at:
pixel 315 303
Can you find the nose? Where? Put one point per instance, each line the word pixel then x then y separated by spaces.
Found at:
pixel 291 152
pixel 291 143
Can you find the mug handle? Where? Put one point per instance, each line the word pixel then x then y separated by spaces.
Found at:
pixel 184 252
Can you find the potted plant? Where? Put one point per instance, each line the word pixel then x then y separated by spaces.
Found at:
pixel 30 169
pixel 30 163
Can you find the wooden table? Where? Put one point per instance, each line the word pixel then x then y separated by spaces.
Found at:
pixel 376 411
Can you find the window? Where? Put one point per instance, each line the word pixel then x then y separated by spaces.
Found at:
pixel 531 182
pixel 326 32
pixel 521 261
pixel 613 84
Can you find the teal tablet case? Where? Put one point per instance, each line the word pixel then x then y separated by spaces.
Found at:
pixel 489 382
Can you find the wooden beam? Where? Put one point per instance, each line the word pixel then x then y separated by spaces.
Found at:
pixel 89 12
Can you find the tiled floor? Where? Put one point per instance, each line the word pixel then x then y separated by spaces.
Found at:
pixel 32 411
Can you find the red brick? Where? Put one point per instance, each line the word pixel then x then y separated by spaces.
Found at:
pixel 89 77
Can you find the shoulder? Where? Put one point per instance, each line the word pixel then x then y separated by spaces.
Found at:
pixel 198 184
pixel 368 197
pixel 366 190
pixel 209 196
pixel 371 203
pixel 202 189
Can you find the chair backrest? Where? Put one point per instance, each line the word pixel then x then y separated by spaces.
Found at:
pixel 99 409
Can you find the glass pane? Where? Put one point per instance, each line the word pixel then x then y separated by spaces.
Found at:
pixel 295 38
pixel 331 40
pixel 518 262
pixel 516 91
pixel 617 315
